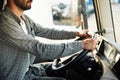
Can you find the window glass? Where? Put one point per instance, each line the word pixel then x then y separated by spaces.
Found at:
pixel 115 4
pixel 92 25
pixel 59 13
pixel 65 12
pixel 75 12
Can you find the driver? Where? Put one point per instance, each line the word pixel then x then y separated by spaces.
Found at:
pixel 18 46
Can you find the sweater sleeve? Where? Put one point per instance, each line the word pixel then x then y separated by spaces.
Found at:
pixel 50 33
pixel 12 34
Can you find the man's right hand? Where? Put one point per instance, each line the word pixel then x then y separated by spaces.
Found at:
pixel 89 44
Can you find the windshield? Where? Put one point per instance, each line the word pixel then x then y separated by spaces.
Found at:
pixel 78 14
pixel 115 4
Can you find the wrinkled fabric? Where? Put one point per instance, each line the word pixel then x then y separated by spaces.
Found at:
pixel 18 50
pixel 37 72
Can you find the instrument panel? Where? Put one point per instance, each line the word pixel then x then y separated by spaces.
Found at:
pixel 111 53
pixel 111 56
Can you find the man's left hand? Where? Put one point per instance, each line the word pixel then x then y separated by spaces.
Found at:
pixel 83 34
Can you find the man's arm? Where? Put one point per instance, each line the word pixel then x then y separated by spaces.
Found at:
pixel 13 35
pixel 50 33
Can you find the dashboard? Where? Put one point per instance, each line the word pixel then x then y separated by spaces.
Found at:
pixel 111 54
pixel 110 57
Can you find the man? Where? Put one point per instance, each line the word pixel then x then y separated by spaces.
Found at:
pixel 18 47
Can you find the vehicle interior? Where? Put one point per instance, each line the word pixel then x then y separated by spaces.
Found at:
pixel 100 17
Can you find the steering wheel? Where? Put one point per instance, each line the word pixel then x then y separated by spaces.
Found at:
pixel 58 64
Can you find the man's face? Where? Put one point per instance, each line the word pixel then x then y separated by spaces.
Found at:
pixel 23 4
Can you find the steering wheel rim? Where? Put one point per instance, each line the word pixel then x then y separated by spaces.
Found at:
pixel 57 64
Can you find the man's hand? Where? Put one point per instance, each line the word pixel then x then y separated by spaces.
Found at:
pixel 89 44
pixel 83 34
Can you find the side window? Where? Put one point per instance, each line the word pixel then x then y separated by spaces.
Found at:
pixel 91 18
pixel 115 4
pixel 66 12
pixel 79 13
pixel 61 13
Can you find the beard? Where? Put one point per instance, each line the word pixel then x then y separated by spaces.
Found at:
pixel 23 5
